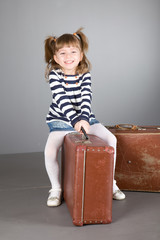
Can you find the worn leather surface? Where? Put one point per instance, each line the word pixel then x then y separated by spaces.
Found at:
pixel 138 159
pixel 95 205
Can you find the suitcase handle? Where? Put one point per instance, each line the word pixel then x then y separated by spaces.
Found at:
pixel 132 127
pixel 85 134
pixel 127 126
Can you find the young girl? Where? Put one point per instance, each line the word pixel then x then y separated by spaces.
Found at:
pixel 70 83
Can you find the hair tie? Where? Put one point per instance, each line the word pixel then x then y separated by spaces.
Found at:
pixel 75 34
pixel 50 61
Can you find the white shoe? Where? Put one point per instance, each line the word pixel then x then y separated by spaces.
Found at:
pixel 54 198
pixel 118 195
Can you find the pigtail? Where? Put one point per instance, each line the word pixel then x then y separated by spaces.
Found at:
pixel 49 52
pixel 84 65
pixel 83 39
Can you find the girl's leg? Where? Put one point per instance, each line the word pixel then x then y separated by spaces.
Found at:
pixel 102 132
pixel 54 142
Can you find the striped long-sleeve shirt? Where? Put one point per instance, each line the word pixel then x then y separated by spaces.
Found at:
pixel 71 97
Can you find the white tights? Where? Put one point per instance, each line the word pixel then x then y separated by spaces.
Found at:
pixel 55 141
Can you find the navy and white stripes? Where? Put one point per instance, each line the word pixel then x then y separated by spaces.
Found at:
pixel 71 97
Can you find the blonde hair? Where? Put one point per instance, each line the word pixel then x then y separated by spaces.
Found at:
pixel 53 44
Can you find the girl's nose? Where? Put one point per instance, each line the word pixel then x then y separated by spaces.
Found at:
pixel 68 55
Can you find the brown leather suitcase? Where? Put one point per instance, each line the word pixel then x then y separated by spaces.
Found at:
pixel 87 179
pixel 138 157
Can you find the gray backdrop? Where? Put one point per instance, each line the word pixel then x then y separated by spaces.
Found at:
pixel 124 50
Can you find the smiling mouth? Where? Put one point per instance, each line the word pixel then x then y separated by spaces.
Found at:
pixel 68 62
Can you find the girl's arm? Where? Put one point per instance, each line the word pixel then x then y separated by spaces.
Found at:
pixel 86 104
pixel 62 99
pixel 86 97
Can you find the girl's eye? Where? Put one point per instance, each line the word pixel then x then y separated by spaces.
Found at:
pixel 62 53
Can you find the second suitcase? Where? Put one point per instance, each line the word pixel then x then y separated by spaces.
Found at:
pixel 138 157
pixel 88 179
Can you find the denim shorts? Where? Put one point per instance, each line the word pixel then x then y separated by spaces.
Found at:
pixel 62 126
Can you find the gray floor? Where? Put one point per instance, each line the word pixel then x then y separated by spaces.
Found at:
pixel 24 215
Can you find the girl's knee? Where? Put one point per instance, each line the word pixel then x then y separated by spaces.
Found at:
pixel 114 139
pixel 48 153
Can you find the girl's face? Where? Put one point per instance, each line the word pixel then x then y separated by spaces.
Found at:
pixel 68 58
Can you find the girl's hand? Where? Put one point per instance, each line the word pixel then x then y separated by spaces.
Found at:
pixel 83 124
pixel 77 126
